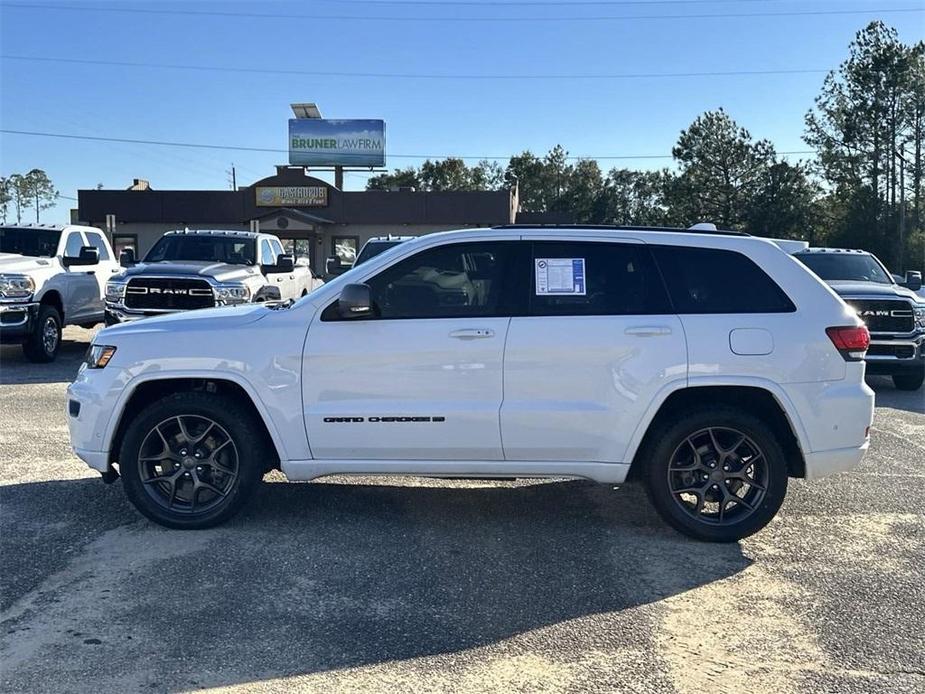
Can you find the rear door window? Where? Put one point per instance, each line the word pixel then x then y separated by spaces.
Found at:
pixel 711 280
pixel 588 278
pixel 97 242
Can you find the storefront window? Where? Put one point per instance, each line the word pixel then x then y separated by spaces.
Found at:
pixel 299 248
pixel 345 248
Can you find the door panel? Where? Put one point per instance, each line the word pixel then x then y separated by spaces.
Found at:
pixel 422 378
pixel 575 387
pixel 82 291
pixel 375 371
pixel 600 343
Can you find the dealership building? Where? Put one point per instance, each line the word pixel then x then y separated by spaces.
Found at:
pixel 315 219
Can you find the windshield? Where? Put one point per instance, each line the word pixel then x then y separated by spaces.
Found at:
pixel 854 267
pixel 373 248
pixel 38 243
pixel 218 249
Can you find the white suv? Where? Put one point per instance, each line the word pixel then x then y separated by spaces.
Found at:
pixel 713 366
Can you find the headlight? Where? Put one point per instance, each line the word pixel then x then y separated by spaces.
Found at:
pixel 16 287
pixel 115 291
pixel 98 356
pixel 919 316
pixel 232 293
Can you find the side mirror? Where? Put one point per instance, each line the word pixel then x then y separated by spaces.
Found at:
pixel 285 263
pixel 127 257
pixel 355 301
pixel 89 255
pixel 333 266
pixel 913 280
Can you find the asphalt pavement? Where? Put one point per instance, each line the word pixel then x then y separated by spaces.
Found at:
pixel 408 584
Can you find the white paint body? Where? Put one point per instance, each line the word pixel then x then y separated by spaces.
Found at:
pixel 521 396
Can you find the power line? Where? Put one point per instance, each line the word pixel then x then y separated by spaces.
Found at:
pixel 537 3
pixel 161 143
pixel 444 19
pixel 408 75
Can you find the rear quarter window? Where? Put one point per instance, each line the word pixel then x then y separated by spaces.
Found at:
pixel 710 280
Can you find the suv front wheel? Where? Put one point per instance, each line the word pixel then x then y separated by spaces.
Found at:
pixel 718 475
pixel 191 460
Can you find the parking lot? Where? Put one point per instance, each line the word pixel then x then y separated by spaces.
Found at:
pixel 425 585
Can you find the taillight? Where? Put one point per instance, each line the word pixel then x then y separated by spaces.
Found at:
pixel 852 342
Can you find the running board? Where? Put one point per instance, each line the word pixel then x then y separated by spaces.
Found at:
pixel 305 470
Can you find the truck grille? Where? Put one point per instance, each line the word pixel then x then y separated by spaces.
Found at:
pixel 885 316
pixel 168 294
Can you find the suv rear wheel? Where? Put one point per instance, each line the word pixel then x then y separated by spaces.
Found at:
pixel 909 381
pixel 717 475
pixel 191 460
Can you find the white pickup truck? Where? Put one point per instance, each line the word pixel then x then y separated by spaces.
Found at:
pixel 51 276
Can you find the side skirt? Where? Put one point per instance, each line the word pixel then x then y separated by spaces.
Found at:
pixel 304 470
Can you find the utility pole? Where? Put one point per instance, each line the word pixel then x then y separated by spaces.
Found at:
pixel 233 176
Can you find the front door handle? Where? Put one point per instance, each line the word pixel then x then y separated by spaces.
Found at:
pixel 472 333
pixel 648 330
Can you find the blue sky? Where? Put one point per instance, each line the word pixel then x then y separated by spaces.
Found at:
pixel 424 116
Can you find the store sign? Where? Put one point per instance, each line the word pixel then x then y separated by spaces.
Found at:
pixel 292 196
pixel 321 142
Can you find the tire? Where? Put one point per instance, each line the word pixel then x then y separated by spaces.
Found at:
pixel 166 433
pixel 43 344
pixel 671 465
pixel 909 381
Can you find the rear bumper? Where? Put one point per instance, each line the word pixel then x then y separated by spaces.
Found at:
pixel 17 321
pixel 823 463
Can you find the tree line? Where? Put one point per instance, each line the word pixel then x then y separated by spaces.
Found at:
pixel 863 189
pixel 19 192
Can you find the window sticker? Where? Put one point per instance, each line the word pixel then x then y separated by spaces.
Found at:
pixel 560 276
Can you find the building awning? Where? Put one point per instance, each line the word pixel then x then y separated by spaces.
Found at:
pixel 295 215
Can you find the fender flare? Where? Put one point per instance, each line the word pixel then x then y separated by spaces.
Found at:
pixel 129 390
pixel 778 393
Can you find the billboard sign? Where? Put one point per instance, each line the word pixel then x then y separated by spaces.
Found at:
pixel 292 196
pixel 323 142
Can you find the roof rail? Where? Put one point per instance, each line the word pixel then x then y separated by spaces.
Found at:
pixel 696 229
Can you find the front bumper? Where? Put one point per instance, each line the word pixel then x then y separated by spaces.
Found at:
pixel 895 354
pixel 90 403
pixel 17 321
pixel 118 314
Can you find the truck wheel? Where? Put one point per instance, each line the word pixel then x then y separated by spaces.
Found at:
pixel 718 475
pixel 42 345
pixel 191 460
pixel 910 381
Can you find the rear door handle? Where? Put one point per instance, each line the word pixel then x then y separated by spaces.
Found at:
pixel 472 333
pixel 648 330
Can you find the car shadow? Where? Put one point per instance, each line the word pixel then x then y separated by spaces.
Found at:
pixel 15 369
pixel 318 577
pixel 887 395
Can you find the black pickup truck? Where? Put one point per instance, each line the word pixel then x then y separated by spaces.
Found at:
pixel 894 313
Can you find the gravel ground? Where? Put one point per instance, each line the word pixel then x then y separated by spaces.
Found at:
pixel 420 585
